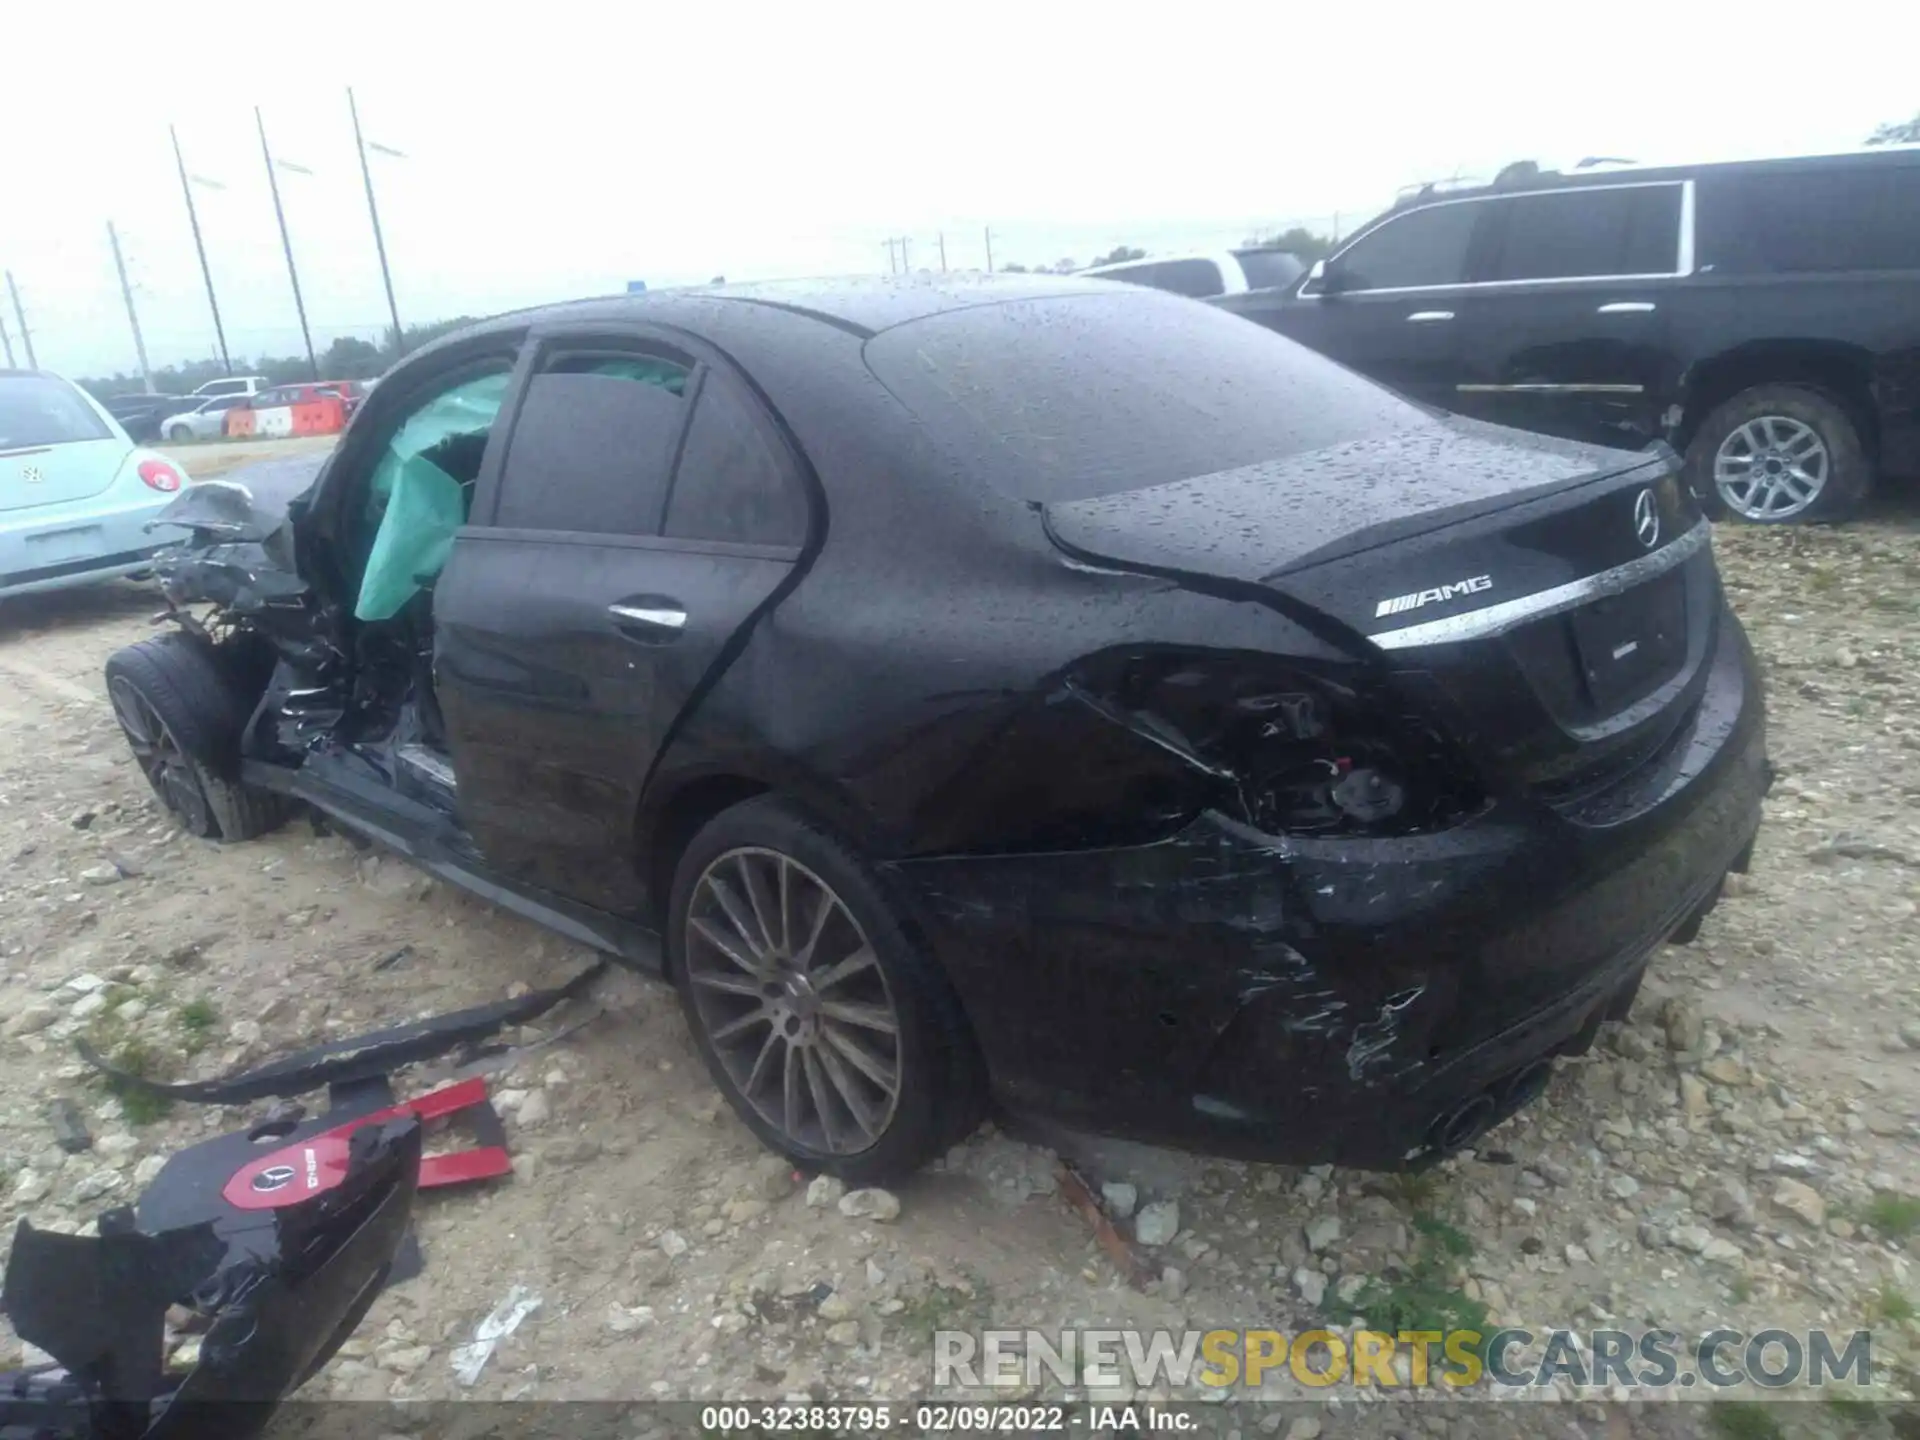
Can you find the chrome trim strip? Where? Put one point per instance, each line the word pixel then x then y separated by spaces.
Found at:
pixel 1541 388
pixel 659 617
pixel 1683 259
pixel 1686 228
pixel 1509 614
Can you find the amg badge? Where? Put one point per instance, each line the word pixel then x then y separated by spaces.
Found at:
pixel 1418 598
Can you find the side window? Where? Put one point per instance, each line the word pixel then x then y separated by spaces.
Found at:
pixel 1607 230
pixel 735 481
pixel 1195 278
pixel 594 444
pixel 1142 274
pixel 1786 222
pixel 1422 247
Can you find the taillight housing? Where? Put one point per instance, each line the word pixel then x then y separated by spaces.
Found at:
pixel 159 475
pixel 1287 748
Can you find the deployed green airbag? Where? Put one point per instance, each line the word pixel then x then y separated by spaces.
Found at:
pixel 415 505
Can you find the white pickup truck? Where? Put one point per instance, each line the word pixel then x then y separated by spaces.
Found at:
pixel 1205 275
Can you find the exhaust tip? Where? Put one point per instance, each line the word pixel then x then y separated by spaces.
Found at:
pixel 1463 1125
pixel 1524 1088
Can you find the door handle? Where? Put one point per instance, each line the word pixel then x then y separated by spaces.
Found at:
pixel 652 621
pixel 1627 307
pixel 1421 317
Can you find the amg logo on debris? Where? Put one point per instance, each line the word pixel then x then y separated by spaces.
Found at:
pixel 1418 598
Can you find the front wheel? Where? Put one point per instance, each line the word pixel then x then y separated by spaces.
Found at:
pixel 1777 454
pixel 829 1029
pixel 182 715
pixel 179 432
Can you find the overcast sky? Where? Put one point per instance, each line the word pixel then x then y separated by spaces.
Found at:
pixel 555 151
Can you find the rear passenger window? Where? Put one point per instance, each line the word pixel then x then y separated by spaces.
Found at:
pixel 1786 222
pixel 735 481
pixel 1196 278
pixel 1570 234
pixel 593 445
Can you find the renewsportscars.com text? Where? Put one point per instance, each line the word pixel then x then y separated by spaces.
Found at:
pixel 1513 1358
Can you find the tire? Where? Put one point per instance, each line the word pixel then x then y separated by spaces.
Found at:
pixel 939 1090
pixel 1790 413
pixel 182 712
pixel 179 433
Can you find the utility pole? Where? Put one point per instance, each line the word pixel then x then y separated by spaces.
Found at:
pixel 892 267
pixel 906 265
pixel 943 252
pixel 286 242
pixel 133 318
pixel 989 234
pixel 6 341
pixel 373 213
pixel 200 249
pixel 20 314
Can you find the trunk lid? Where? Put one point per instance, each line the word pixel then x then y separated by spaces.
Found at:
pixel 1552 603
pixel 57 474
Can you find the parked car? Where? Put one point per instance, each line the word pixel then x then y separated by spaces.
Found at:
pixel 1764 317
pixel 206 420
pixel 1236 756
pixel 232 385
pixel 140 415
pixel 75 493
pixel 1204 276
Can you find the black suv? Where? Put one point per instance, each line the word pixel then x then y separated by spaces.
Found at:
pixel 1762 316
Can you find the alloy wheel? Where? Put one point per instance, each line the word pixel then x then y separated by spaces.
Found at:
pixel 1771 468
pixel 793 1000
pixel 167 767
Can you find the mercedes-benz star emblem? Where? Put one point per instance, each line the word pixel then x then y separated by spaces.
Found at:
pixel 1646 519
pixel 274 1177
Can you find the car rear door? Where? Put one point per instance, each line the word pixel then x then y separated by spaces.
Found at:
pixel 1389 303
pixel 646 510
pixel 1567 334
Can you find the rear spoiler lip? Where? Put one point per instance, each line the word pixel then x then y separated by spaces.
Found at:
pixel 1657 460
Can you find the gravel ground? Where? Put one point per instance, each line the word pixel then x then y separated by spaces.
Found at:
pixel 1740 1153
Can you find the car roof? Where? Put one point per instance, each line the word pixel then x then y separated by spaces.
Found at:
pixel 861 305
pixel 1630 173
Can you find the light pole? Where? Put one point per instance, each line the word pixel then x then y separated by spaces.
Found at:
pixel 286 241
pixel 199 246
pixel 20 314
pixel 133 315
pixel 362 144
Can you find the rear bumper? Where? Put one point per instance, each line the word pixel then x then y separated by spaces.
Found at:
pixel 76 544
pixel 1313 1001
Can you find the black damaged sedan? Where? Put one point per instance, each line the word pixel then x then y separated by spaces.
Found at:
pixel 1029 691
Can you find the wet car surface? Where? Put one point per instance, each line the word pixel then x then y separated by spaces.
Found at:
pixel 1028 690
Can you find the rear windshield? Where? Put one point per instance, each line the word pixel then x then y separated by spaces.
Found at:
pixel 40 410
pixel 1270 269
pixel 1071 397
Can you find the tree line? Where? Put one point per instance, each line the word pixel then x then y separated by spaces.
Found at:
pixel 347 358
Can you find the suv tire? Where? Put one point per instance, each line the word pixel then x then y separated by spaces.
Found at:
pixel 1793 433
pixel 182 713
pixel 766 906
